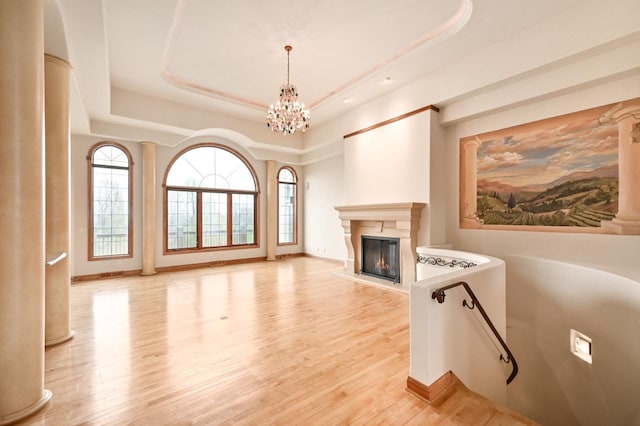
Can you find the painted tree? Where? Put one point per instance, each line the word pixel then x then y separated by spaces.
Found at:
pixel 512 201
pixel 484 204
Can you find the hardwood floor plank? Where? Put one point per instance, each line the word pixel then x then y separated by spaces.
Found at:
pixel 284 342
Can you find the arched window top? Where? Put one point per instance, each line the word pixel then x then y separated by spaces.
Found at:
pixel 286 175
pixel 110 155
pixel 211 167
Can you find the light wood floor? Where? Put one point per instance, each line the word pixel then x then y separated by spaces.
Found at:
pixel 283 342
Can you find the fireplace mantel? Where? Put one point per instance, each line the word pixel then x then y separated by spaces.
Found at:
pixel 397 220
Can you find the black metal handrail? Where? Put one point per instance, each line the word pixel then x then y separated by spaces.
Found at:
pixel 438 294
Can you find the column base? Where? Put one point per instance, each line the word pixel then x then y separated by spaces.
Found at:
pixel 622 227
pixel 144 274
pixel 471 223
pixel 59 340
pixel 26 412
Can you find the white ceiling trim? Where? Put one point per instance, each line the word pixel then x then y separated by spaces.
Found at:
pixel 595 66
pixel 183 83
pixel 441 32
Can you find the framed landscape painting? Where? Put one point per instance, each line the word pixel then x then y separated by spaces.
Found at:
pixel 557 174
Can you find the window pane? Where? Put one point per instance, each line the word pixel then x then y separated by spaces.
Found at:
pixel 243 219
pixel 211 167
pixel 110 205
pixel 110 156
pixel 182 219
pixel 214 219
pixel 286 175
pixel 223 204
pixel 286 212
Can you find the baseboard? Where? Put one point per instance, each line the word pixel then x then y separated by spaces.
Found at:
pixel 106 275
pixel 288 255
pixel 328 259
pixel 210 264
pixel 432 392
pixel 175 268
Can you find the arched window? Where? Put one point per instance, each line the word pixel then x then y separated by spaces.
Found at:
pixel 211 200
pixel 110 195
pixel 287 202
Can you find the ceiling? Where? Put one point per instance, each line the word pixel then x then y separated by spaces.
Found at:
pixel 227 57
pixel 242 60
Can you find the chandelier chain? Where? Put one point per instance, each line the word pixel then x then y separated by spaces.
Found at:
pixel 288 49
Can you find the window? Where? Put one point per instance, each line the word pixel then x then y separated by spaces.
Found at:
pixel 286 206
pixel 211 200
pixel 110 195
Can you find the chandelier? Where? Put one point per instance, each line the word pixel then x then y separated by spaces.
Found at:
pixel 288 115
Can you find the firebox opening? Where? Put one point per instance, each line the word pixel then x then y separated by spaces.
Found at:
pixel 381 257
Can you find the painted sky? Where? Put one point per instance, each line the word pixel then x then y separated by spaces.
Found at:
pixel 541 152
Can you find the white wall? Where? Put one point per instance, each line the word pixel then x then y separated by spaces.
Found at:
pixel 562 285
pixel 387 164
pixel 300 219
pixel 164 157
pixel 80 265
pixel 324 189
pixel 392 164
pixel 545 301
pixel 399 162
pixel 616 253
pixel 449 337
pixel 436 216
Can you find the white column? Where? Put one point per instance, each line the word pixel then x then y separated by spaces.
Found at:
pixel 468 183
pixel 57 276
pixel 272 210
pixel 148 208
pixel 22 210
pixel 627 220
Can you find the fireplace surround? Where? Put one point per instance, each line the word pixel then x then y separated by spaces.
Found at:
pixel 393 220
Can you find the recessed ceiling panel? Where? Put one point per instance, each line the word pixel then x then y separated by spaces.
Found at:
pixel 228 57
pixel 235 50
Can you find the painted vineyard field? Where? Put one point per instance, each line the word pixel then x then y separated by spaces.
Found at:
pixel 583 203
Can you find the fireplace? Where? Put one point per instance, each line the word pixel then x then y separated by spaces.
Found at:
pixel 381 257
pixel 396 221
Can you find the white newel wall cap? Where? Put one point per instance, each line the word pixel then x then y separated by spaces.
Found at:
pixel 428 280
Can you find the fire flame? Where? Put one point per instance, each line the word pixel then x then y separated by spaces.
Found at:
pixel 381 265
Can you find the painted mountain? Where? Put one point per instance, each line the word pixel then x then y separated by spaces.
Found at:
pixel 529 191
